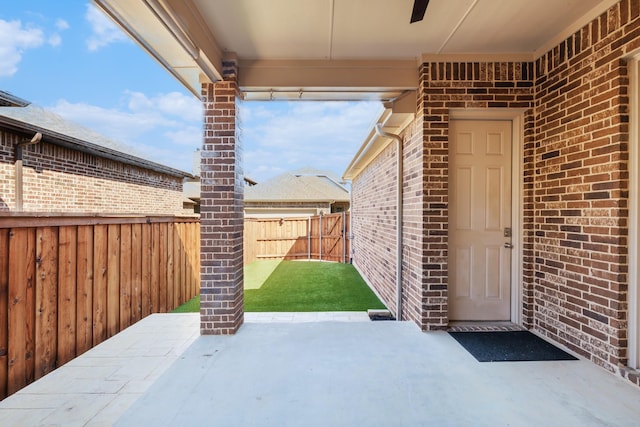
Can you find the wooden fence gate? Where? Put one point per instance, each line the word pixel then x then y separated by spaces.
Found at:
pixel 323 237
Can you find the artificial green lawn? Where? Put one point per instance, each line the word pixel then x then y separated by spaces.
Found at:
pixel 191 306
pixel 301 286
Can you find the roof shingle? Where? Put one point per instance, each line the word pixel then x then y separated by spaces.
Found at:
pixel 302 185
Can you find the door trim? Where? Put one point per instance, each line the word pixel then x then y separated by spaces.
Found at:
pixel 516 116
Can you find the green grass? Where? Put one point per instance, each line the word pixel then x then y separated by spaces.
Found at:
pixel 191 306
pixel 258 272
pixel 301 286
pixel 312 286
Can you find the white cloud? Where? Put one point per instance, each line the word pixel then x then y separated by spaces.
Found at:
pixel 173 104
pixel 54 40
pixel 188 135
pixel 14 40
pixel 104 31
pixel 119 125
pixel 62 25
pixel 275 137
pixel 286 136
pixel 166 135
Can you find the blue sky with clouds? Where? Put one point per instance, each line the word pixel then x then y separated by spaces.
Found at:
pixel 68 57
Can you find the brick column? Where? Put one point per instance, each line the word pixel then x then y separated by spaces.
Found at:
pixel 221 202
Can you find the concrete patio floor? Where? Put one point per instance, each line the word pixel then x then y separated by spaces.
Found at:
pixel 160 372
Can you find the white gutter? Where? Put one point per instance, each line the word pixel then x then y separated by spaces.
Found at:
pixel 399 214
pixel 367 149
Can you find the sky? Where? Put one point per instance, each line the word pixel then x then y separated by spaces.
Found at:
pixel 66 56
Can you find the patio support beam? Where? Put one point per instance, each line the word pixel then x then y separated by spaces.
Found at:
pixel 221 217
pixel 327 79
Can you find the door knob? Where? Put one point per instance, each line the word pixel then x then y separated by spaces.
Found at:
pixel 508 245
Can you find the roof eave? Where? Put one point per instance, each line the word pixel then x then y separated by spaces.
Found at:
pixel 395 117
pixel 159 30
pixel 66 141
pixel 296 200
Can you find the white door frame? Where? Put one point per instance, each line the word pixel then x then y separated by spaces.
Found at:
pixel 516 116
pixel 633 327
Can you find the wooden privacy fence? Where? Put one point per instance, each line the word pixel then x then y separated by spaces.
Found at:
pixel 67 284
pixel 323 237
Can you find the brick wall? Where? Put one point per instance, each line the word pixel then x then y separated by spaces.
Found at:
pixel 442 86
pixel 446 86
pixel 581 182
pixel 575 185
pixel 58 179
pixel 373 222
pixel 414 235
pixel 221 210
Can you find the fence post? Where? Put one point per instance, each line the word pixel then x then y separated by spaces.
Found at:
pixel 309 238
pixel 344 237
pixel 320 230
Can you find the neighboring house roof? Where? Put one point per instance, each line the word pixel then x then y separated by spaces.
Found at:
pixel 303 185
pixel 9 100
pixel 191 187
pixel 197 160
pixel 56 130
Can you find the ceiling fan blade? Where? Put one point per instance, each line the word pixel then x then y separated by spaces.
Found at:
pixel 419 8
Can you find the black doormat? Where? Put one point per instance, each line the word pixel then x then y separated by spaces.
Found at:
pixel 510 346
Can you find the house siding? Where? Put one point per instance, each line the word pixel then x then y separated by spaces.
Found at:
pixel 373 223
pixel 58 179
pixel 575 187
pixel 442 86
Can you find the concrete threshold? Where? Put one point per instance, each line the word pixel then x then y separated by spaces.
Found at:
pixel 464 326
pixel 305 317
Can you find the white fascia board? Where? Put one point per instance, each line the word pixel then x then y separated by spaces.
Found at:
pixel 163 39
pixel 395 117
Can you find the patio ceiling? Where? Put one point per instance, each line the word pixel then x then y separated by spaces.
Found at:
pixel 338 49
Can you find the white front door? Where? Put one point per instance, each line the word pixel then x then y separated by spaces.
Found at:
pixel 480 220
